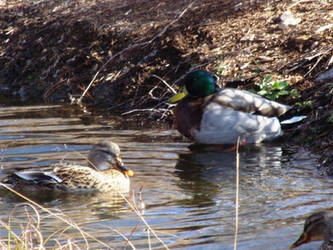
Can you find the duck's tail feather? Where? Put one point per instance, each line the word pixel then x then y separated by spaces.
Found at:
pixel 293 120
pixel 45 177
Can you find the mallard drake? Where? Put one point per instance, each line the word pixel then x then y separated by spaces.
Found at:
pixel 219 116
pixel 318 226
pixel 105 172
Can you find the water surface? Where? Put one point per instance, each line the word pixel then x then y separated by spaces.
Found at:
pixel 188 192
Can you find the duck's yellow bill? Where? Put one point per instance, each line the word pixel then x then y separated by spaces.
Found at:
pixel 180 95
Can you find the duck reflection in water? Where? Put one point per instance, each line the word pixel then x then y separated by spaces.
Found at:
pixel 208 171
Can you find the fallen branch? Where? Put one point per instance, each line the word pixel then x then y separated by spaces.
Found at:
pixel 132 47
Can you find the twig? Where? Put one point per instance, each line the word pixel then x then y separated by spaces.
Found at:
pixel 140 210
pixel 170 87
pixel 145 110
pixel 300 1
pixel 134 46
pixel 174 21
pixel 166 84
pixel 319 59
pixel 107 62
pixel 139 214
pixel 160 100
pixel 150 93
pixel 237 194
pixel 51 89
pixel 305 60
pixel 149 242
pixel 131 233
pixel 124 237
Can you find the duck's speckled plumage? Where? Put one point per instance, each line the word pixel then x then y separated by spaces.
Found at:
pixel 80 178
pixel 105 173
pixel 221 116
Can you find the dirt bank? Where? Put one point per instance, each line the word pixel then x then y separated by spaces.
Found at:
pixel 51 50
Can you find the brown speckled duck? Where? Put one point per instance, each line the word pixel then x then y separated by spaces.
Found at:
pixel 209 115
pixel 318 226
pixel 105 173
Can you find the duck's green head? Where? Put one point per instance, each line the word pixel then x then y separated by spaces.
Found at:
pixel 197 84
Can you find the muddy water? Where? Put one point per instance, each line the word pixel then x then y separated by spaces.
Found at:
pixel 188 192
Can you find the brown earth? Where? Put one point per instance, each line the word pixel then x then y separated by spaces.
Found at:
pixel 51 50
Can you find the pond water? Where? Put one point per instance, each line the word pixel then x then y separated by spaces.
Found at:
pixel 188 192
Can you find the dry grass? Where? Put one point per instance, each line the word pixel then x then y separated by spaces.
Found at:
pixel 31 235
pixel 237 195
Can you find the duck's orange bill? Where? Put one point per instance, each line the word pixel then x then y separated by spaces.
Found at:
pixel 302 239
pixel 120 165
pixel 129 173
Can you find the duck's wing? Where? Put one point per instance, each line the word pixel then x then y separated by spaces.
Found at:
pixel 76 176
pixel 38 177
pixel 248 102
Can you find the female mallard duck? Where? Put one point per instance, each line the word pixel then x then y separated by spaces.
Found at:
pixel 105 172
pixel 212 116
pixel 318 226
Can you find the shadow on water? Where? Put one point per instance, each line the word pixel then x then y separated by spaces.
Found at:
pixel 201 172
pixel 188 190
pixel 113 202
pixel 207 169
